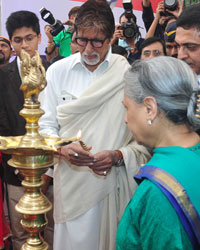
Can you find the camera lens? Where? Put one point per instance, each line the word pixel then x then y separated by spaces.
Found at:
pixel 170 4
pixel 129 32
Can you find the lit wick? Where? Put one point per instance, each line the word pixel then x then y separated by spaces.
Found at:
pixel 83 145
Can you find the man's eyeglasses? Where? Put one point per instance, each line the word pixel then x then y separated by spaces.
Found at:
pixel 155 52
pixel 96 43
pixel 28 39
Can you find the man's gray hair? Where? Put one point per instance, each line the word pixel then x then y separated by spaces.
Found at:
pixel 96 14
pixel 171 82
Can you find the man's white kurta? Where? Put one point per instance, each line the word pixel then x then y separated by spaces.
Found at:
pixel 74 99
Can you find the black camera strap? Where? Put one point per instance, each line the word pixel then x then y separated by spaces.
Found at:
pixel 51 52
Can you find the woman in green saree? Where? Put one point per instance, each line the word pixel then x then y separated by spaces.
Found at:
pixel 161 102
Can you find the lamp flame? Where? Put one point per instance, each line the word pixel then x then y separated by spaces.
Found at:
pixel 79 134
pixel 83 145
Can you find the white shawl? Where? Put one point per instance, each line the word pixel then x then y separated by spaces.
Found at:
pixel 99 112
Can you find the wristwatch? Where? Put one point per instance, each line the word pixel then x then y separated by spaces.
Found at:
pixel 120 161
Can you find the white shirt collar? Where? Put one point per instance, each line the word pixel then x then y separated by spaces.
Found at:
pixel 105 63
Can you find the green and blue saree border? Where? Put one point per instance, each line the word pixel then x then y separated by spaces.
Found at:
pixel 178 197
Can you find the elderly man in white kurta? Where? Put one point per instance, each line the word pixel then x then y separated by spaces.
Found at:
pixel 85 91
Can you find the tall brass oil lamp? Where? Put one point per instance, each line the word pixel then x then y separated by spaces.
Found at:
pixel 32 154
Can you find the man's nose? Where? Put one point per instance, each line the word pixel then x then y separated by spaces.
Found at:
pixel 89 47
pixel 24 43
pixel 182 53
pixel 174 50
pixel 151 55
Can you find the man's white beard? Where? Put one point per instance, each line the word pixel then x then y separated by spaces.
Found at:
pixel 91 62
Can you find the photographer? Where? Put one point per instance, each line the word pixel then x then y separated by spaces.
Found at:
pixel 148 18
pixel 132 43
pixel 60 44
pixel 162 17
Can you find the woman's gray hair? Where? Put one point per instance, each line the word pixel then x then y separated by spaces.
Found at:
pixel 171 82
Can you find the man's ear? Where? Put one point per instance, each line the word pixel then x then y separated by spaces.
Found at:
pixel 12 53
pixel 151 106
pixel 39 38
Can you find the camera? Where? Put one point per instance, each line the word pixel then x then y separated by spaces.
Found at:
pixel 56 25
pixel 130 29
pixel 170 4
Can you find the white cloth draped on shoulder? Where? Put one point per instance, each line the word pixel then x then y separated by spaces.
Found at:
pixel 99 112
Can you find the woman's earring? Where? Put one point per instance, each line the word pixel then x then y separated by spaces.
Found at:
pixel 149 122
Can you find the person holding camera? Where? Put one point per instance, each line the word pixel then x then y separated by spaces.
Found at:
pixel 148 18
pixel 127 35
pixel 59 44
pixel 164 15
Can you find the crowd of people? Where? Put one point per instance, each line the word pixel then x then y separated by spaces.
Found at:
pixel 137 102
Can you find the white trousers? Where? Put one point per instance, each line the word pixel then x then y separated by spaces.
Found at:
pixel 81 233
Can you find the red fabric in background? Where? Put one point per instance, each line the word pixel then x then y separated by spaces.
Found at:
pixel 137 4
pixel 4 226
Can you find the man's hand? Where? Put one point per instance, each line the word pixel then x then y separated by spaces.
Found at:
pixel 98 163
pixel 146 3
pixel 70 22
pixel 160 8
pixel 117 34
pixel 75 154
pixel 177 12
pixel 104 161
pixel 47 30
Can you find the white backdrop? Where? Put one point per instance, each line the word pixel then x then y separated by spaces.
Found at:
pixel 59 9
